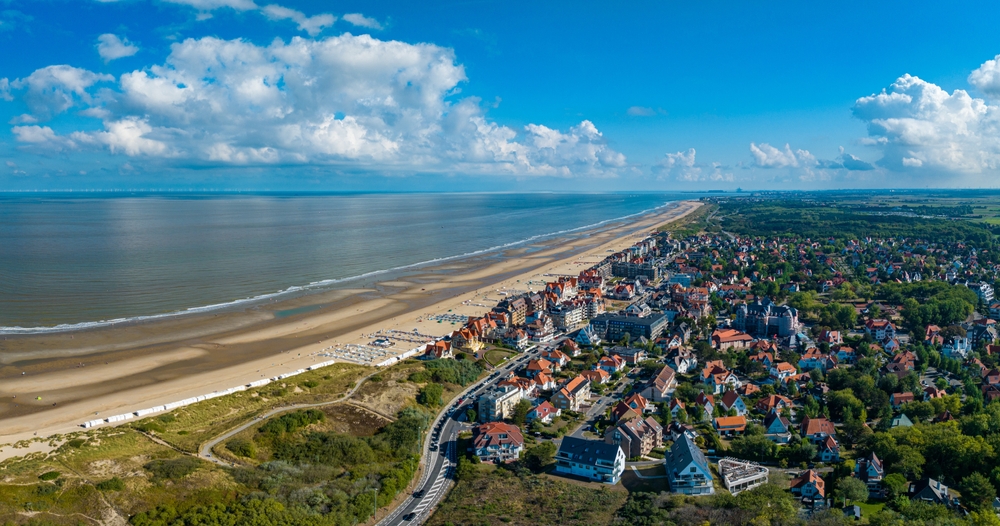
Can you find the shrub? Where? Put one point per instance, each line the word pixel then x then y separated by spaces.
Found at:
pixel 76 442
pixel 291 422
pixel 46 489
pixel 242 447
pixel 49 475
pixel 168 418
pixel 150 427
pixel 309 384
pixel 112 484
pixel 173 469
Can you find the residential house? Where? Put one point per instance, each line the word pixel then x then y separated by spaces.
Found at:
pixel 675 407
pixel 540 366
pixel 816 429
pixel 844 354
pixel 880 329
pixel 544 382
pixel 588 337
pixel 764 358
pixel 516 338
pixel 726 339
pixel 662 386
pixel 636 436
pixel 831 337
pixel 498 403
pixel 773 403
pixel 781 371
pixel 632 406
pixel 730 425
pixel 871 471
pixel 933 492
pixel 687 468
pixel 731 401
pixel 931 392
pixel 683 361
pixel 957 348
pixel 438 349
pixel 809 486
pixel 597 461
pixel 901 420
pixel 777 428
pixel 559 358
pixel 631 355
pixel 718 378
pixel 898 399
pixel 497 442
pixel 597 376
pixel 544 413
pixel 707 403
pixel 829 450
pixel 572 395
pixel 611 364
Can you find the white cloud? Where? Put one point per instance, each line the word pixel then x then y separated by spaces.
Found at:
pixel 34 134
pixel 918 125
pixel 641 111
pixel 987 78
pixel 5 89
pixel 362 21
pixel 310 24
pixel 681 166
pixel 346 100
pixel 767 156
pixel 54 89
pixel 110 47
pixel 209 5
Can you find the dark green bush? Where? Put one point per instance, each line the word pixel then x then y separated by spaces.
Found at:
pixel 173 469
pixel 49 475
pixel 242 447
pixel 112 484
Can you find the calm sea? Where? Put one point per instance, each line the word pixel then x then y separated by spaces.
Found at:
pixel 68 261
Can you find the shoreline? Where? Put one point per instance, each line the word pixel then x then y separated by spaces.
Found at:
pixel 111 372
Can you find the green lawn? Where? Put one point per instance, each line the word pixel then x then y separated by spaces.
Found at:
pixel 497 356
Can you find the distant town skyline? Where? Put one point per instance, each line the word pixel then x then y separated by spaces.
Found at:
pixel 514 96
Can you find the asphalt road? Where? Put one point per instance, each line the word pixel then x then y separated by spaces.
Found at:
pixel 441 462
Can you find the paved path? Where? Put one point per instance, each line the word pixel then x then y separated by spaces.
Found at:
pixel 206 449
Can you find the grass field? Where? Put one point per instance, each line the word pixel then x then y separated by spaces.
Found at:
pixel 498 497
pixel 497 356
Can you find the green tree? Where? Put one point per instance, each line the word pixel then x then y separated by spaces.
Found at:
pixel 896 484
pixel 521 412
pixel 540 456
pixel 977 492
pixel 852 489
pixel 430 395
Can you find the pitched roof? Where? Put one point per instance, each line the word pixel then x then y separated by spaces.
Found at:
pixel 729 399
pixel 497 434
pixel 812 426
pixel 683 453
pixel 807 477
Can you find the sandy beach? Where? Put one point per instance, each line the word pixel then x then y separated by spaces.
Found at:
pixel 51 383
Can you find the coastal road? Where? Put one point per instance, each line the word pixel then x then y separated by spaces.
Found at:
pixel 206 449
pixel 440 448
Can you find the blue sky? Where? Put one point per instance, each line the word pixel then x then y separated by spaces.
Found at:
pixel 471 95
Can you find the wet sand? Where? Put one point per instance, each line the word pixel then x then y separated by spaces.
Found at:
pixel 120 369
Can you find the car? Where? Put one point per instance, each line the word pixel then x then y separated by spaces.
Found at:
pixel 418 494
pixel 433 447
pixel 409 516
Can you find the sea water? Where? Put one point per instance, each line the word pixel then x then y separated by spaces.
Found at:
pixel 71 262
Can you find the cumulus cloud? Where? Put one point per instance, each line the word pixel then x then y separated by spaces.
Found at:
pixel 682 166
pixel 110 47
pixel 310 24
pixel 345 100
pixel 362 21
pixel 5 89
pixel 917 125
pixel 54 89
pixel 987 78
pixel 767 156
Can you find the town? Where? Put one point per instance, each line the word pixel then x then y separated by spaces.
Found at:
pixel 859 373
